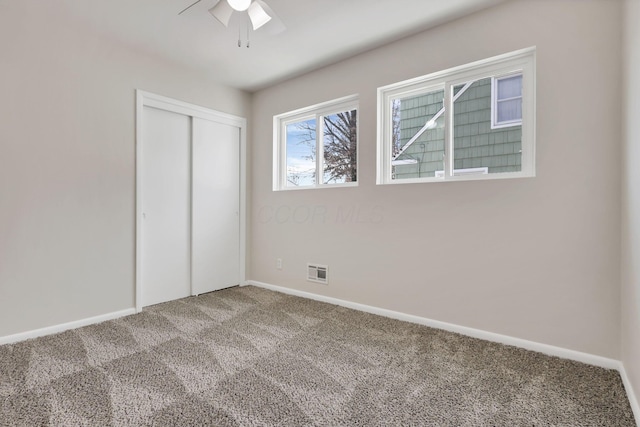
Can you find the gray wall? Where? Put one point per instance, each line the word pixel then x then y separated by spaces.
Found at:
pixel 631 201
pixel 67 163
pixel 535 258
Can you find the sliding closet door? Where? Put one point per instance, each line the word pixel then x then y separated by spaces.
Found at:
pixel 216 198
pixel 166 206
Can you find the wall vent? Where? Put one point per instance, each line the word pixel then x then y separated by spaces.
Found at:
pixel 318 273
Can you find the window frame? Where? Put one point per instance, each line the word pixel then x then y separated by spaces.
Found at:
pixel 317 112
pixel 466 171
pixel 521 61
pixel 495 124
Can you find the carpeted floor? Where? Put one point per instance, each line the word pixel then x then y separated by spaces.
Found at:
pixel 252 357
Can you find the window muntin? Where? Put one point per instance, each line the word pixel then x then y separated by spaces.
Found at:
pixel 317 146
pixel 471 147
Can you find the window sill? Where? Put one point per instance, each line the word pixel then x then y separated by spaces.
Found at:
pixel 318 187
pixel 484 177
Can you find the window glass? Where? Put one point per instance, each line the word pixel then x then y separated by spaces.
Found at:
pixel 418 135
pixel 340 146
pixel 300 151
pixel 477 147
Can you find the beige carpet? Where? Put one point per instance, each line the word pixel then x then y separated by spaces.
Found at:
pixel 251 357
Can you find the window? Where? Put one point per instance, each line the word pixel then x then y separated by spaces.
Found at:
pixel 506 101
pixel 317 146
pixel 471 122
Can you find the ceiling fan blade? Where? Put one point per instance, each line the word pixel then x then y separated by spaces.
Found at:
pixel 272 26
pixel 222 12
pixel 189 7
pixel 258 15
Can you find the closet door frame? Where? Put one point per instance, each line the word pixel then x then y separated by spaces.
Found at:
pixel 147 99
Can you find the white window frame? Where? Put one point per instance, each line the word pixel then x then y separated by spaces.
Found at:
pixel 317 112
pixel 467 171
pixel 495 124
pixel 518 62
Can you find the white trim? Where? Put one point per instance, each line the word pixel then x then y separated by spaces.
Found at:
pixel 50 330
pixel 468 171
pixel 140 98
pixel 243 199
pixel 323 108
pixel 320 186
pixel 192 110
pixel 633 400
pixel 458 178
pixel 550 350
pixel 403 162
pixel 316 111
pixel 147 99
pixel 496 62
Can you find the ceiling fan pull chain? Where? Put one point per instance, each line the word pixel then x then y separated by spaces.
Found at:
pixel 248 32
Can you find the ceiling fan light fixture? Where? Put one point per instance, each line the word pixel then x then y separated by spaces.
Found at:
pixel 258 15
pixel 239 5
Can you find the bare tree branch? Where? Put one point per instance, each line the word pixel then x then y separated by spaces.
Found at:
pixel 340 145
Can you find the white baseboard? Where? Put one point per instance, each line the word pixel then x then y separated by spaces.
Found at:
pixel 64 327
pixel 633 400
pixel 550 350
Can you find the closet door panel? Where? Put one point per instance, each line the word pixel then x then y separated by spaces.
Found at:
pixel 166 206
pixel 215 206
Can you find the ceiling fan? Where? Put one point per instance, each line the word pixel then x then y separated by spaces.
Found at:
pixel 258 11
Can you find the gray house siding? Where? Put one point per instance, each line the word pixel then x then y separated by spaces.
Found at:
pixel 476 145
pixel 428 149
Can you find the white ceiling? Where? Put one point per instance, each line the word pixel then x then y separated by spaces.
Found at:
pixel 318 32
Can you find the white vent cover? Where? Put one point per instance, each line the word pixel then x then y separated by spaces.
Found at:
pixel 318 273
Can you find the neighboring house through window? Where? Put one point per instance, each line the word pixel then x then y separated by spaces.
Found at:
pixel 471 122
pixel 506 101
pixel 317 146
